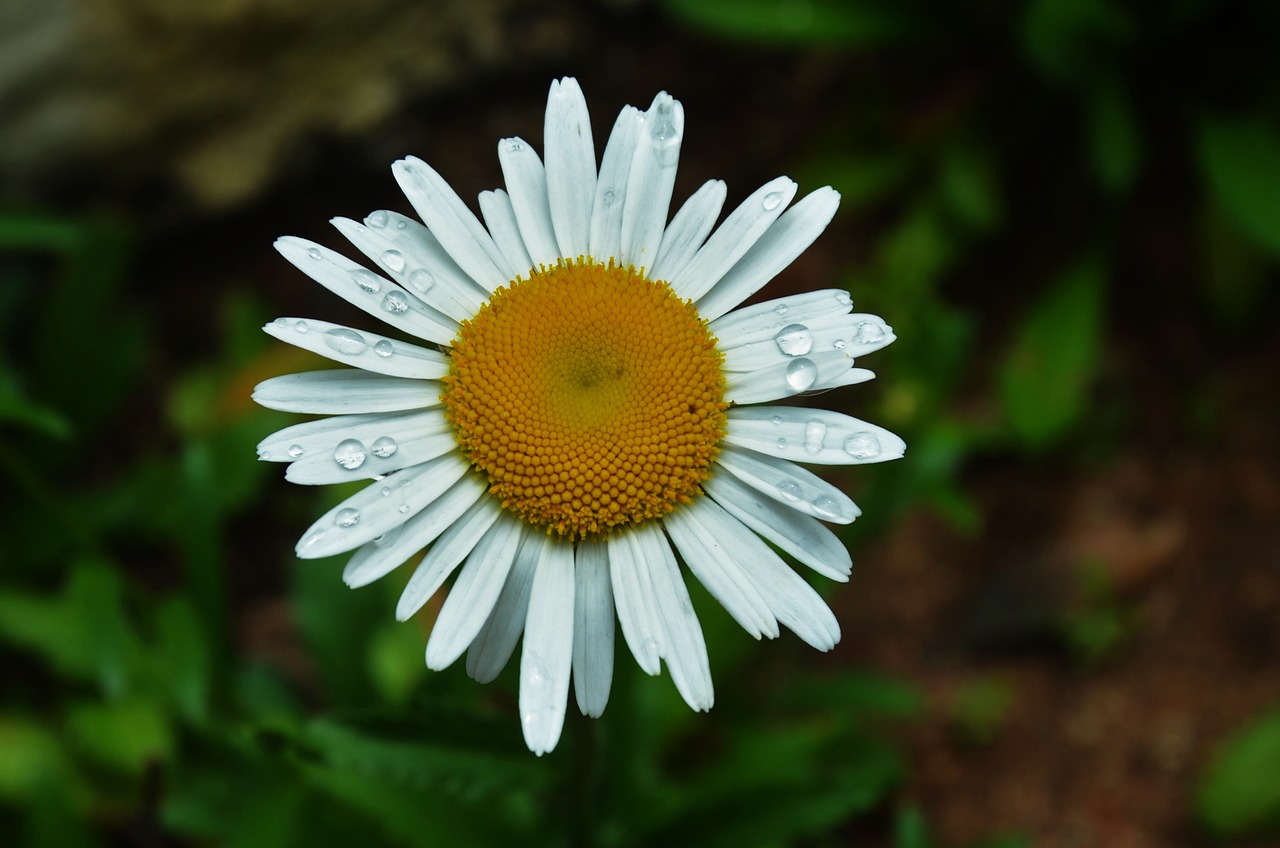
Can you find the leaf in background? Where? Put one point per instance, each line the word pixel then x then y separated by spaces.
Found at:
pixel 124 735
pixel 1239 794
pixel 910 829
pixel 969 187
pixel 1114 141
pixel 861 178
pixel 1240 158
pixel 183 658
pixel 395 661
pixel 861 22
pixel 18 409
pixel 1046 378
pixel 1075 41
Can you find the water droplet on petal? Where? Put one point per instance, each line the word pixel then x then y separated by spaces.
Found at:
pixel 843 298
pixel 403 508
pixel 314 253
pixel 300 326
pixel 263 453
pixel 780 310
pixel 281 322
pixel 347 517
pixel 378 219
pixel 393 260
pixel 385 491
pixel 771 200
pixel 384 446
pixel 782 444
pixel 384 348
pixel 312 539
pixel 777 420
pixel 868 332
pixel 801 374
pixel 422 280
pixel 794 340
pixel 790 490
pixel 862 445
pixel 400 225
pixel 350 454
pixel 814 433
pixel 515 145
pixel 840 344
pixel 295 451
pixel 347 342
pixel 827 508
pixel 609 196
pixel 366 281
pixel 395 302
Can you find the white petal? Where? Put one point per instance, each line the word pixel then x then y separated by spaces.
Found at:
pixel 383 555
pixel 853 335
pixel 491 649
pixel 789 484
pixel 474 593
pixel 547 655
pixel 593 627
pixel 633 597
pixel 452 223
pixel 323 434
pixel 611 188
pixel 369 513
pixel 775 250
pixel 571 166
pixel 450 549
pixel 722 577
pixel 846 378
pixel 345 390
pixel 652 177
pixel 793 601
pixel 762 321
pixel 527 184
pixel 743 228
pixel 385 449
pixel 495 206
pixel 688 230
pixel 411 256
pixel 791 377
pixel 684 648
pixel 370 351
pixel 812 435
pixel 799 535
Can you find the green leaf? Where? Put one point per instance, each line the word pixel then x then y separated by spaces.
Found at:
pixel 849 22
pixel 1239 794
pixel 1046 378
pixel 1240 158
pixel 1114 142
pixel 125 735
pixel 968 185
pixel 18 409
pixel 910 829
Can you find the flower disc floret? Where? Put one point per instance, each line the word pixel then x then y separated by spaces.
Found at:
pixel 590 396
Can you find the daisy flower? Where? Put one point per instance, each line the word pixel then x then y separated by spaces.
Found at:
pixel 584 415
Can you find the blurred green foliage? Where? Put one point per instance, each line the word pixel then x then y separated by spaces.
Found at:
pixel 1239 793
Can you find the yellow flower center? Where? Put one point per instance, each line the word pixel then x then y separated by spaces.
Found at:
pixel 590 396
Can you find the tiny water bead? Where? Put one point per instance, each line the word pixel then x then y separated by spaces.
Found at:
pixel 395 302
pixel 346 342
pixel 393 260
pixel 772 200
pixel 814 434
pixel 296 451
pixel 300 326
pixel 868 332
pixel 384 447
pixel 801 374
pixel 347 517
pixel 590 396
pixel 422 280
pixel 367 281
pixel 384 348
pixel 862 445
pixel 378 220
pixel 314 253
pixel 794 340
pixel 350 454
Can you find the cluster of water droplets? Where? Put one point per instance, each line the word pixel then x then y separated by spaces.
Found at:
pixel 862 445
pixel 352 453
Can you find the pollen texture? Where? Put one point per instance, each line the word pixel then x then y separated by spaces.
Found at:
pixel 591 397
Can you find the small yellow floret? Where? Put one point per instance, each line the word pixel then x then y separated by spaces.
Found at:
pixel 591 397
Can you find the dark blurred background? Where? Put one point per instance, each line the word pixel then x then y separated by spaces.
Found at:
pixel 1064 620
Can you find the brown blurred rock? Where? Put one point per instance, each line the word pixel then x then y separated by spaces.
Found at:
pixel 215 93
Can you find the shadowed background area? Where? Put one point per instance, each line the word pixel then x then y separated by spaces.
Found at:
pixel 1062 625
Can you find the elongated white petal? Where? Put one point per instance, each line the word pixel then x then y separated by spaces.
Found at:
pixel 711 563
pixel 789 484
pixel 652 177
pixel 345 390
pixel 762 321
pixel 323 435
pixel 384 554
pixel 361 348
pixel 411 256
pixel 526 180
pixel 776 249
pixel 732 239
pixel 799 535
pixel 611 187
pixel 791 377
pixel 793 601
pixel 369 513
pixel 360 287
pixel 846 378
pixel 688 230
pixel 452 223
pixel 593 627
pixel 853 335
pixel 493 647
pixel 571 166
pixel 685 650
pixel 633 598
pixel 547 655
pixel 383 455
pixel 450 549
pixel 495 206
pixel 474 593
pixel 811 435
